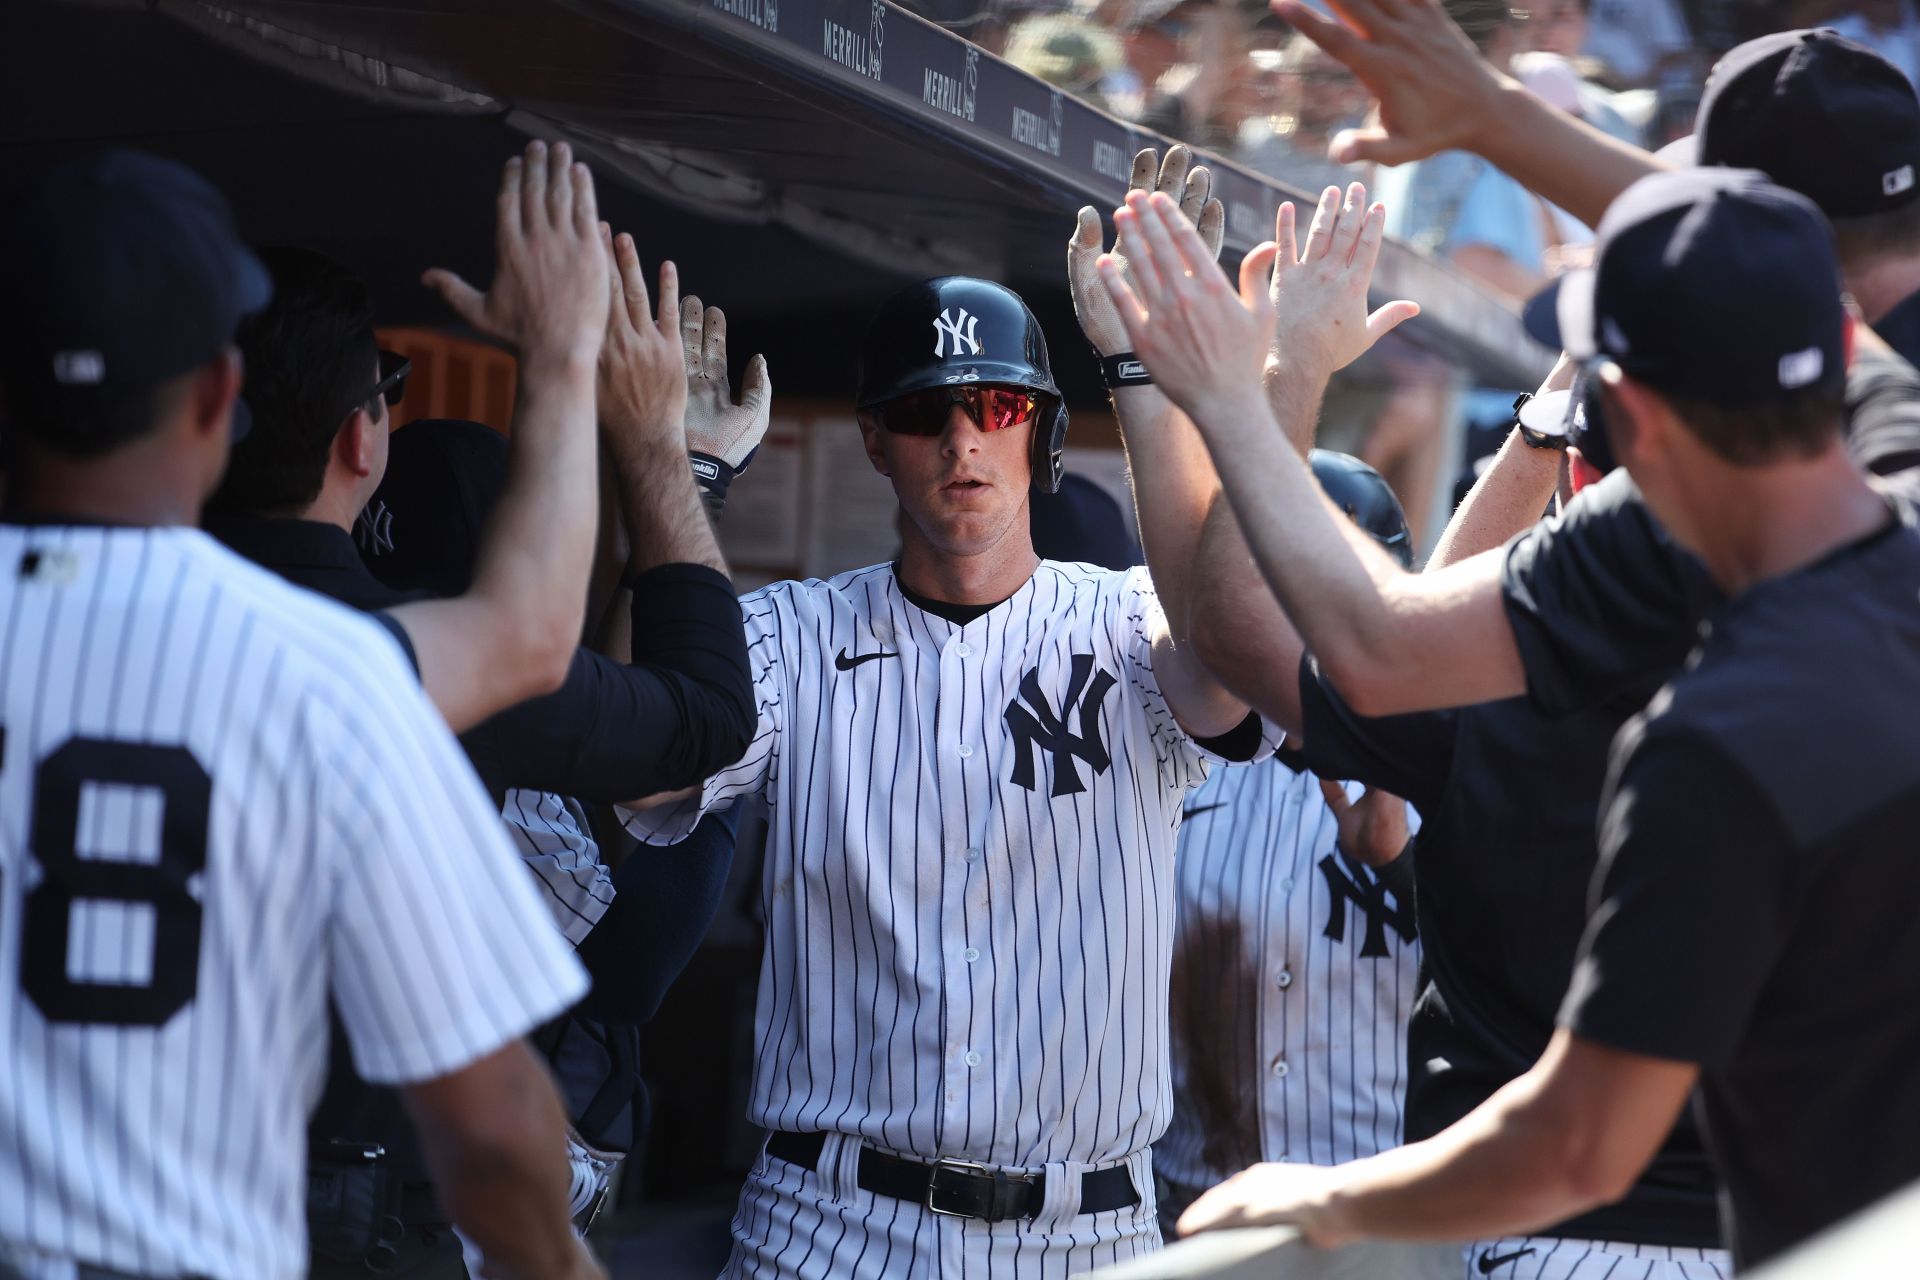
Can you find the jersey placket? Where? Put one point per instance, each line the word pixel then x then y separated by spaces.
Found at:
pixel 1278 1084
pixel 964 769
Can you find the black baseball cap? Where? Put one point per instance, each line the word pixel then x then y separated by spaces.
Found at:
pixel 423 527
pixel 1711 284
pixel 119 272
pixel 1818 114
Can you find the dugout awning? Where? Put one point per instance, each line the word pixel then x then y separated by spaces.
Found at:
pixel 799 157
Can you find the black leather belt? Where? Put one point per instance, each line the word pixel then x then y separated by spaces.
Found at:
pixel 960 1188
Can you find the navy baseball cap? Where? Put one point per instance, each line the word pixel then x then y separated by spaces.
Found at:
pixel 1818 114
pixel 119 272
pixel 423 527
pixel 1711 284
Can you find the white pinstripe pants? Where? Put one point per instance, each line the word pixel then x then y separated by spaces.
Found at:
pixel 1545 1258
pixel 799 1224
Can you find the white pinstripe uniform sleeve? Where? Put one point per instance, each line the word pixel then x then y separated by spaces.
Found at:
pixel 441 953
pixel 764 613
pixel 1183 761
pixel 552 836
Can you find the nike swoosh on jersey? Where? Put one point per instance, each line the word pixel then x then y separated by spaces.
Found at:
pixel 844 663
pixel 1199 809
pixel 1488 1263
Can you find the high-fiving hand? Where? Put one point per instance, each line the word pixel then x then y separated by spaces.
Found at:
pixel 1203 344
pixel 718 426
pixel 1432 90
pixel 550 273
pixel 1180 180
pixel 1319 290
pixel 642 391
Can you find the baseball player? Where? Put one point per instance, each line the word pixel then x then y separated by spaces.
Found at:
pixel 1296 954
pixel 974 762
pixel 208 828
pixel 1713 319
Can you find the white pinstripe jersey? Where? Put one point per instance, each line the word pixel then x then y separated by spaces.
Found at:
pixel 969 871
pixel 552 836
pixel 1293 977
pixel 221 800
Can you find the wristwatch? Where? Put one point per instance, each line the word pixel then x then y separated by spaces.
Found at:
pixel 1544 420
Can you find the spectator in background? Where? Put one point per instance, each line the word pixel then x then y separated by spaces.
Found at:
pixel 1208 44
pixel 1459 206
pixel 1069 52
pixel 1310 97
pixel 1889 27
pixel 1637 40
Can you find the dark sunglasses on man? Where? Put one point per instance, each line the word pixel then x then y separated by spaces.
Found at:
pixel 392 386
pixel 924 413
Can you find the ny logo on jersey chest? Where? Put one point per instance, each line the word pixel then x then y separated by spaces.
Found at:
pixel 1371 897
pixel 1035 726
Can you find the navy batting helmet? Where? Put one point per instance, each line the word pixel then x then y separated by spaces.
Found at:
pixel 955 330
pixel 1359 490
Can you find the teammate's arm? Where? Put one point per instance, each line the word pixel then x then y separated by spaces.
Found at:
pixel 1173 480
pixel 513 633
pixel 1433 92
pixel 1319 299
pixel 1391 640
pixel 495 1136
pixel 1512 493
pixel 1572 1134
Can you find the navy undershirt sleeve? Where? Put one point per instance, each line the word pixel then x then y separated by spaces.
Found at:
pixel 681 711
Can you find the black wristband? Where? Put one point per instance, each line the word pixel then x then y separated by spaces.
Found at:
pixel 1124 370
pixel 713 476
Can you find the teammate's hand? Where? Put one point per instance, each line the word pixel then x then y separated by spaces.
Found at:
pixel 1300 1195
pixel 718 426
pixel 1203 345
pixel 1181 180
pixel 1372 832
pixel 641 386
pixel 549 273
pixel 1319 291
pixel 1432 90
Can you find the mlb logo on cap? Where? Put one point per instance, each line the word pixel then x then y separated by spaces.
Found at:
pixel 1710 284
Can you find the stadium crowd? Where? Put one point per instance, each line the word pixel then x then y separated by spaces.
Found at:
pixel 1546 904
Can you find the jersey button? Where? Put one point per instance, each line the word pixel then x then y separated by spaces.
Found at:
pixel 1279 1068
pixel 970 954
pixel 1286 886
pixel 973 855
pixel 963 650
pixel 1284 978
pixel 966 752
pixel 973 1058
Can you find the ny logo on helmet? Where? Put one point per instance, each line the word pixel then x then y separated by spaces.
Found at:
pixel 960 331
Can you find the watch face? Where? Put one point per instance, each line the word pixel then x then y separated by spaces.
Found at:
pixel 1548 414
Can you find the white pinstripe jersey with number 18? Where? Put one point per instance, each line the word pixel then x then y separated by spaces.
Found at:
pixel 1293 977
pixel 221 800
pixel 969 872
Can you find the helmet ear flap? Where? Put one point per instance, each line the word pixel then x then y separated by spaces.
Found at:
pixel 1049 442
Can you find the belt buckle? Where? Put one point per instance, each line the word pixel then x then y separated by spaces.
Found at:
pixel 939 1167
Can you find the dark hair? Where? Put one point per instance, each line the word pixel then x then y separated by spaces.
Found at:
pixel 1482 20
pixel 1798 426
pixel 310 360
pixel 1889 234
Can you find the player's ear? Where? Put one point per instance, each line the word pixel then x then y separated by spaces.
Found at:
pixel 870 439
pixel 355 447
pixel 211 392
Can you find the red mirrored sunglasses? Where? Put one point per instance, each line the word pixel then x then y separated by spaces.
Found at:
pixel 924 413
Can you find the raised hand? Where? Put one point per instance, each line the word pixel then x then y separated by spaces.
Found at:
pixel 1203 343
pixel 1319 290
pixel 718 426
pixel 642 389
pixel 550 272
pixel 1373 832
pixel 1432 90
pixel 1180 180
